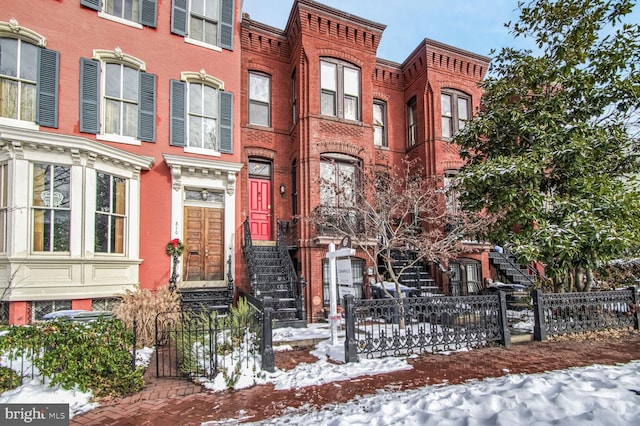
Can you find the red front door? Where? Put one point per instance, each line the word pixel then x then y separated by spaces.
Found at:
pixel 260 208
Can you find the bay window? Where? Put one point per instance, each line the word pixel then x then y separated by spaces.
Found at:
pixel 51 208
pixel 111 213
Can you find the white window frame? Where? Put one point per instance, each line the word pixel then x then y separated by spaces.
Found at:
pixel 115 57
pixel 112 215
pixel 104 13
pixel 191 15
pixel 22 81
pixel 50 200
pixel 212 82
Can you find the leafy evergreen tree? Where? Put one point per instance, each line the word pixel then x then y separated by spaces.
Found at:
pixel 553 150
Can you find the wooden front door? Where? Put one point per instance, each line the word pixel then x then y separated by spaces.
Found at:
pixel 260 208
pixel 203 255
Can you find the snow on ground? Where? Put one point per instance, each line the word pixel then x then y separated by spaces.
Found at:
pixel 602 395
pixel 599 395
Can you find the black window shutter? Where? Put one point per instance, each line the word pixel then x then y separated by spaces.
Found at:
pixel 179 17
pixel 47 100
pixel 226 122
pixel 147 107
pixel 226 24
pixel 149 14
pixel 89 95
pixel 178 113
pixel 92 4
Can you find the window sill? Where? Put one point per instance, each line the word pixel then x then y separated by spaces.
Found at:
pixel 12 122
pixel 202 151
pixel 382 147
pixel 119 20
pixel 202 44
pixel 342 120
pixel 119 139
pixel 259 127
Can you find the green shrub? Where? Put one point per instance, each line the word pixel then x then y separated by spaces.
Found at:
pixel 93 355
pixel 9 379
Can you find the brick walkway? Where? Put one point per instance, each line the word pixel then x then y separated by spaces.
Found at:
pixel 179 402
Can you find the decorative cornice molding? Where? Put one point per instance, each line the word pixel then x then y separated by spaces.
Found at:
pixel 202 77
pixel 117 55
pixel 13 29
pixel 15 140
pixel 223 170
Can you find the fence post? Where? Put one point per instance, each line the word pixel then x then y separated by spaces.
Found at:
pixel 539 326
pixel 268 360
pixel 135 332
pixel 635 308
pixel 302 298
pixel 350 348
pixel 504 322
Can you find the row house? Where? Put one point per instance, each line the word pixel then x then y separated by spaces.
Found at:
pixel 127 124
pixel 119 132
pixel 317 101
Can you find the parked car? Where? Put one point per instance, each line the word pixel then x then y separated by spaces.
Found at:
pixel 78 315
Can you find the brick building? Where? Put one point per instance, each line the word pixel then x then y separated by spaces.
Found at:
pixel 126 124
pixel 317 98
pixel 119 132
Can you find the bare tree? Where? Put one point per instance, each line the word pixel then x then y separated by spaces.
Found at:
pixel 394 210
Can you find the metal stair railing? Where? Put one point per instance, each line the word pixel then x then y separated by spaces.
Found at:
pixel 516 266
pixel 249 255
pixel 285 260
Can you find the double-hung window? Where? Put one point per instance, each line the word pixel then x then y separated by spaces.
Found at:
pixel 117 98
pixel 456 110
pixel 111 213
pixel 131 12
pixel 208 23
pixel 121 100
pixel 412 122
pixel 259 99
pixel 28 80
pixel 339 89
pixel 339 186
pixel 379 123
pixel 339 176
pixel 201 114
pixel 51 207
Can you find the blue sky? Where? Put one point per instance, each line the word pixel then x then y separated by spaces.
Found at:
pixel 473 25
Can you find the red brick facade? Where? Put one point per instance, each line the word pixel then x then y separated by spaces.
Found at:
pixel 315 31
pixel 161 176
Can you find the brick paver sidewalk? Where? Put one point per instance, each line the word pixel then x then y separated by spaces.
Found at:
pixel 179 402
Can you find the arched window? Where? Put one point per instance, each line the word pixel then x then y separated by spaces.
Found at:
pixel 117 98
pixel 28 77
pixel 201 114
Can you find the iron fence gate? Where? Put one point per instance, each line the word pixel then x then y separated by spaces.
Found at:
pixel 202 344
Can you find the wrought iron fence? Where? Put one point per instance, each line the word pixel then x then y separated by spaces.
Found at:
pixel 566 313
pixel 393 327
pixel 203 344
